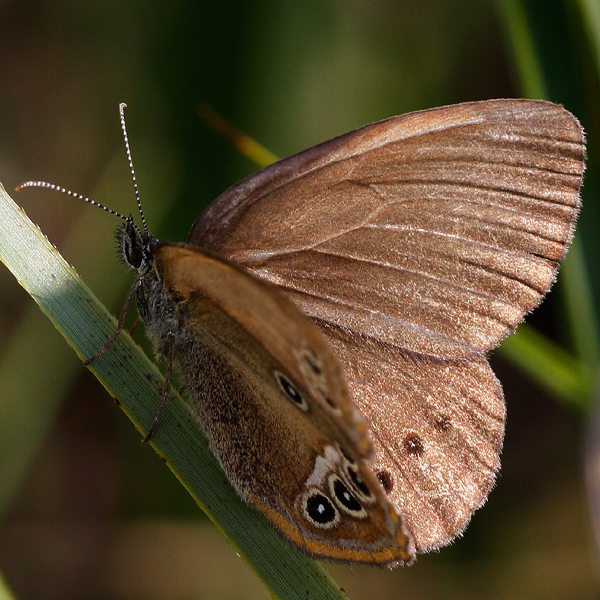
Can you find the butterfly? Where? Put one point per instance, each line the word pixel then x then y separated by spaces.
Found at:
pixel 331 316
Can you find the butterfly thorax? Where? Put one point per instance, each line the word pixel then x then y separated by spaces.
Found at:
pixel 158 313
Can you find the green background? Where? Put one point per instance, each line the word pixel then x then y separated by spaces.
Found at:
pixel 87 512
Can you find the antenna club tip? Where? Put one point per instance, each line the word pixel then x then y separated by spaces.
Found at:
pixel 26 184
pixel 122 106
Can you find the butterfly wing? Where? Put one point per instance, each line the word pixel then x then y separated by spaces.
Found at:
pixel 437 426
pixel 418 243
pixel 273 403
pixel 435 232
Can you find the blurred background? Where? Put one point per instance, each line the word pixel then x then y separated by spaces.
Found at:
pixel 86 510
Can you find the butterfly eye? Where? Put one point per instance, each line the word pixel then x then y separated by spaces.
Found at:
pixel 136 257
pixel 290 391
pixel 176 296
pixel 320 511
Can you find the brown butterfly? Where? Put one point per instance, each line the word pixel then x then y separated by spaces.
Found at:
pixel 351 292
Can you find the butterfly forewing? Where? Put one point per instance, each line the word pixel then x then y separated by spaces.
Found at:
pixel 272 401
pixel 434 232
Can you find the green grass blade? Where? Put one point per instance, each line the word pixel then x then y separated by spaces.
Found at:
pixel 128 375
pixel 590 19
pixel 5 593
pixel 576 290
pixel 36 366
pixel 566 377
pixel 524 53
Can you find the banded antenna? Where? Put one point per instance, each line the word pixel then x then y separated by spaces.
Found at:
pixel 58 188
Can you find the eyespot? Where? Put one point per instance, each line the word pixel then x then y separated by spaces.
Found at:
pixel 313 371
pixel 358 485
pixel 343 452
pixel 386 480
pixel 331 403
pixel 290 391
pixel 315 363
pixel 345 499
pixel 320 511
pixel 361 486
pixel 413 445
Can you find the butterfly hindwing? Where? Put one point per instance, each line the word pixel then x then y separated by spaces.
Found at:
pixel 437 427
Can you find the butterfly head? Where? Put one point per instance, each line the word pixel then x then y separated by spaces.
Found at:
pixel 135 247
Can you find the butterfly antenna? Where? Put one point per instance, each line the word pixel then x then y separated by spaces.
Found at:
pixel 122 107
pixel 52 186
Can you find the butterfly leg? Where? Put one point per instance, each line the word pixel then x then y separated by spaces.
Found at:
pixel 166 388
pixel 135 325
pixel 120 324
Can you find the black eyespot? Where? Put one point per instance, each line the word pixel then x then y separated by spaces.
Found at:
pixel 361 486
pixel 320 509
pixel 386 480
pixel 292 393
pixel 413 444
pixel 345 496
